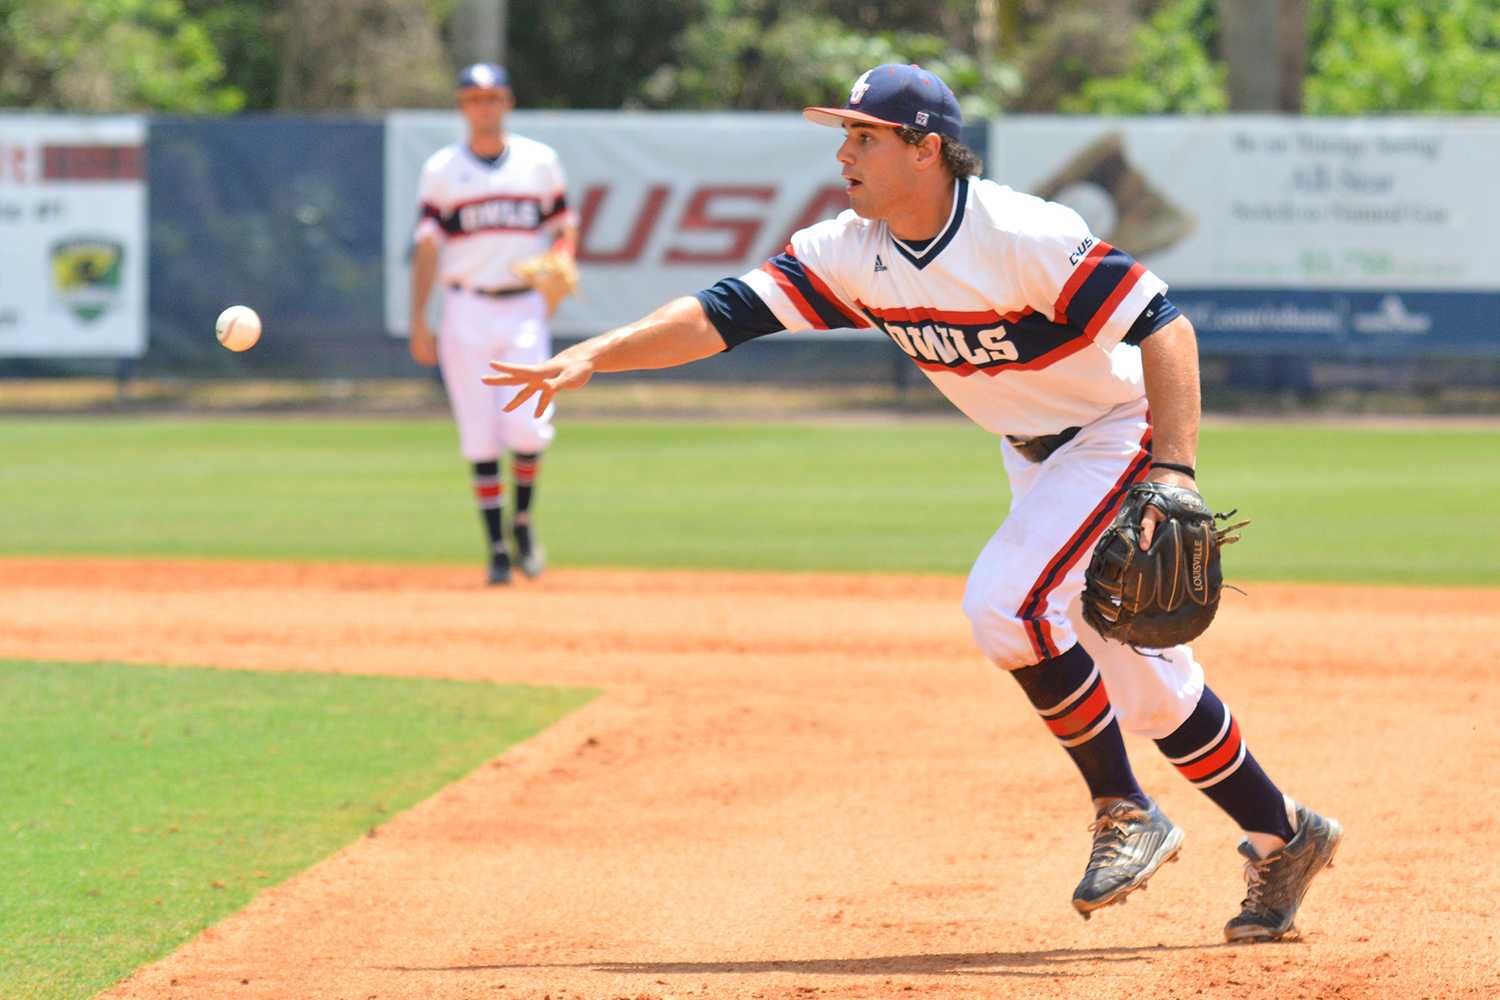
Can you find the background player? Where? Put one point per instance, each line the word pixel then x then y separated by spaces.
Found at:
pixel 1056 341
pixel 487 204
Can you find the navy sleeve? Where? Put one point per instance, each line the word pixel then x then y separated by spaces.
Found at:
pixel 1158 313
pixel 737 312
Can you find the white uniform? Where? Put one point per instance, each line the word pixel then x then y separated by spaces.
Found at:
pixel 1028 323
pixel 488 217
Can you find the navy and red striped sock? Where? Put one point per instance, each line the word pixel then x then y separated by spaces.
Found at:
pixel 488 490
pixel 1068 693
pixel 523 469
pixel 1210 752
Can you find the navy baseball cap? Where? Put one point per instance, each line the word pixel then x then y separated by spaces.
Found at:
pixel 483 75
pixel 897 95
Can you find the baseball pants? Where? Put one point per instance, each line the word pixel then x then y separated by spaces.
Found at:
pixel 1023 593
pixel 479 329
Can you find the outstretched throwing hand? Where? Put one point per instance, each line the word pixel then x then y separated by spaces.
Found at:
pixel 544 381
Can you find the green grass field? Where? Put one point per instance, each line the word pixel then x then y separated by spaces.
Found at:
pixel 144 804
pixel 1329 504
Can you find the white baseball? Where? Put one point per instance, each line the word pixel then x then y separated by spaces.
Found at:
pixel 238 328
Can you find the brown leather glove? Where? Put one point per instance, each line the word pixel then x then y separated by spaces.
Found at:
pixel 554 274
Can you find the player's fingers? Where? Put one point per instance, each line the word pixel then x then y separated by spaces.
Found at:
pixel 505 380
pixel 1149 518
pixel 520 398
pixel 543 399
pixel 512 368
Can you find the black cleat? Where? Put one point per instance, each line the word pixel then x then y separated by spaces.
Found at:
pixel 1276 883
pixel 1130 844
pixel 499 573
pixel 529 552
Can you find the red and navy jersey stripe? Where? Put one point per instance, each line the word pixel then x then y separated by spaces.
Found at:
pixel 494 213
pixel 558 208
pixel 1103 278
pixel 739 314
pixel 809 294
pixel 966 343
pixel 969 342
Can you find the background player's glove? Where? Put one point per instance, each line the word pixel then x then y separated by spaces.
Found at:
pixel 1169 593
pixel 554 274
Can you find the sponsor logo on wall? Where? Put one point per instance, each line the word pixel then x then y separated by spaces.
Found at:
pixel 86 272
pixel 1392 316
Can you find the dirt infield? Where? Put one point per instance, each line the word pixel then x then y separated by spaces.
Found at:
pixel 799 786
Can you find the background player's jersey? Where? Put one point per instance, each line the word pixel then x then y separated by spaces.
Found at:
pixel 489 216
pixel 1015 311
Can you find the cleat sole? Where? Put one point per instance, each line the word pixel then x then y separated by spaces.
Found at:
pixel 1085 908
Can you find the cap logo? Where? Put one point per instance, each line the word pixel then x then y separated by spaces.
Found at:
pixel 922 118
pixel 860 86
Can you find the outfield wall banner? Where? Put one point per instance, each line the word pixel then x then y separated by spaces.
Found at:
pixel 1299 234
pixel 72 236
pixel 668 203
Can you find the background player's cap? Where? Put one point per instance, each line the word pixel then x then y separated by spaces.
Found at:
pixel 894 94
pixel 483 75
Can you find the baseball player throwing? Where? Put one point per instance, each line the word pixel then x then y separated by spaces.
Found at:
pixel 1069 351
pixel 489 205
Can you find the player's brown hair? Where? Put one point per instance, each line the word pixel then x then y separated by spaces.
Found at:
pixel 960 160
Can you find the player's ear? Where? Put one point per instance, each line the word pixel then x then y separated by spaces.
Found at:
pixel 930 151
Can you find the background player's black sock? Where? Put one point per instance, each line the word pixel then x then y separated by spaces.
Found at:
pixel 488 491
pixel 523 469
pixel 1069 695
pixel 1209 751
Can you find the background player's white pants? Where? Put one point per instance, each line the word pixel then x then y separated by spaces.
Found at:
pixel 1023 592
pixel 477 330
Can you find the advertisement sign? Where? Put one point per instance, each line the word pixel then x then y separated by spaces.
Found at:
pixel 667 203
pixel 72 236
pixel 1288 233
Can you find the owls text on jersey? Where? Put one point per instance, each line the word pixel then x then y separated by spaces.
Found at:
pixel 1015 311
pixel 489 216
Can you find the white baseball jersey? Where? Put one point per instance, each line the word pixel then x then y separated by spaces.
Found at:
pixel 1015 311
pixel 489 216
pixel 1029 324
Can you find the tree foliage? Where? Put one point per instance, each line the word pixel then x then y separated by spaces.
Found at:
pixel 739 54
pixel 588 54
pixel 1171 70
pixel 247 34
pixel 1081 56
pixel 1073 45
pixel 1393 55
pixel 362 55
pixel 110 55
pixel 741 57
pixel 1364 57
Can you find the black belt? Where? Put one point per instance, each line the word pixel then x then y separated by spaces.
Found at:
pixel 1041 447
pixel 491 293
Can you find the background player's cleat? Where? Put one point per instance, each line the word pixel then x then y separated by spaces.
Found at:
pixel 1130 844
pixel 530 554
pixel 499 574
pixel 533 561
pixel 1276 883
